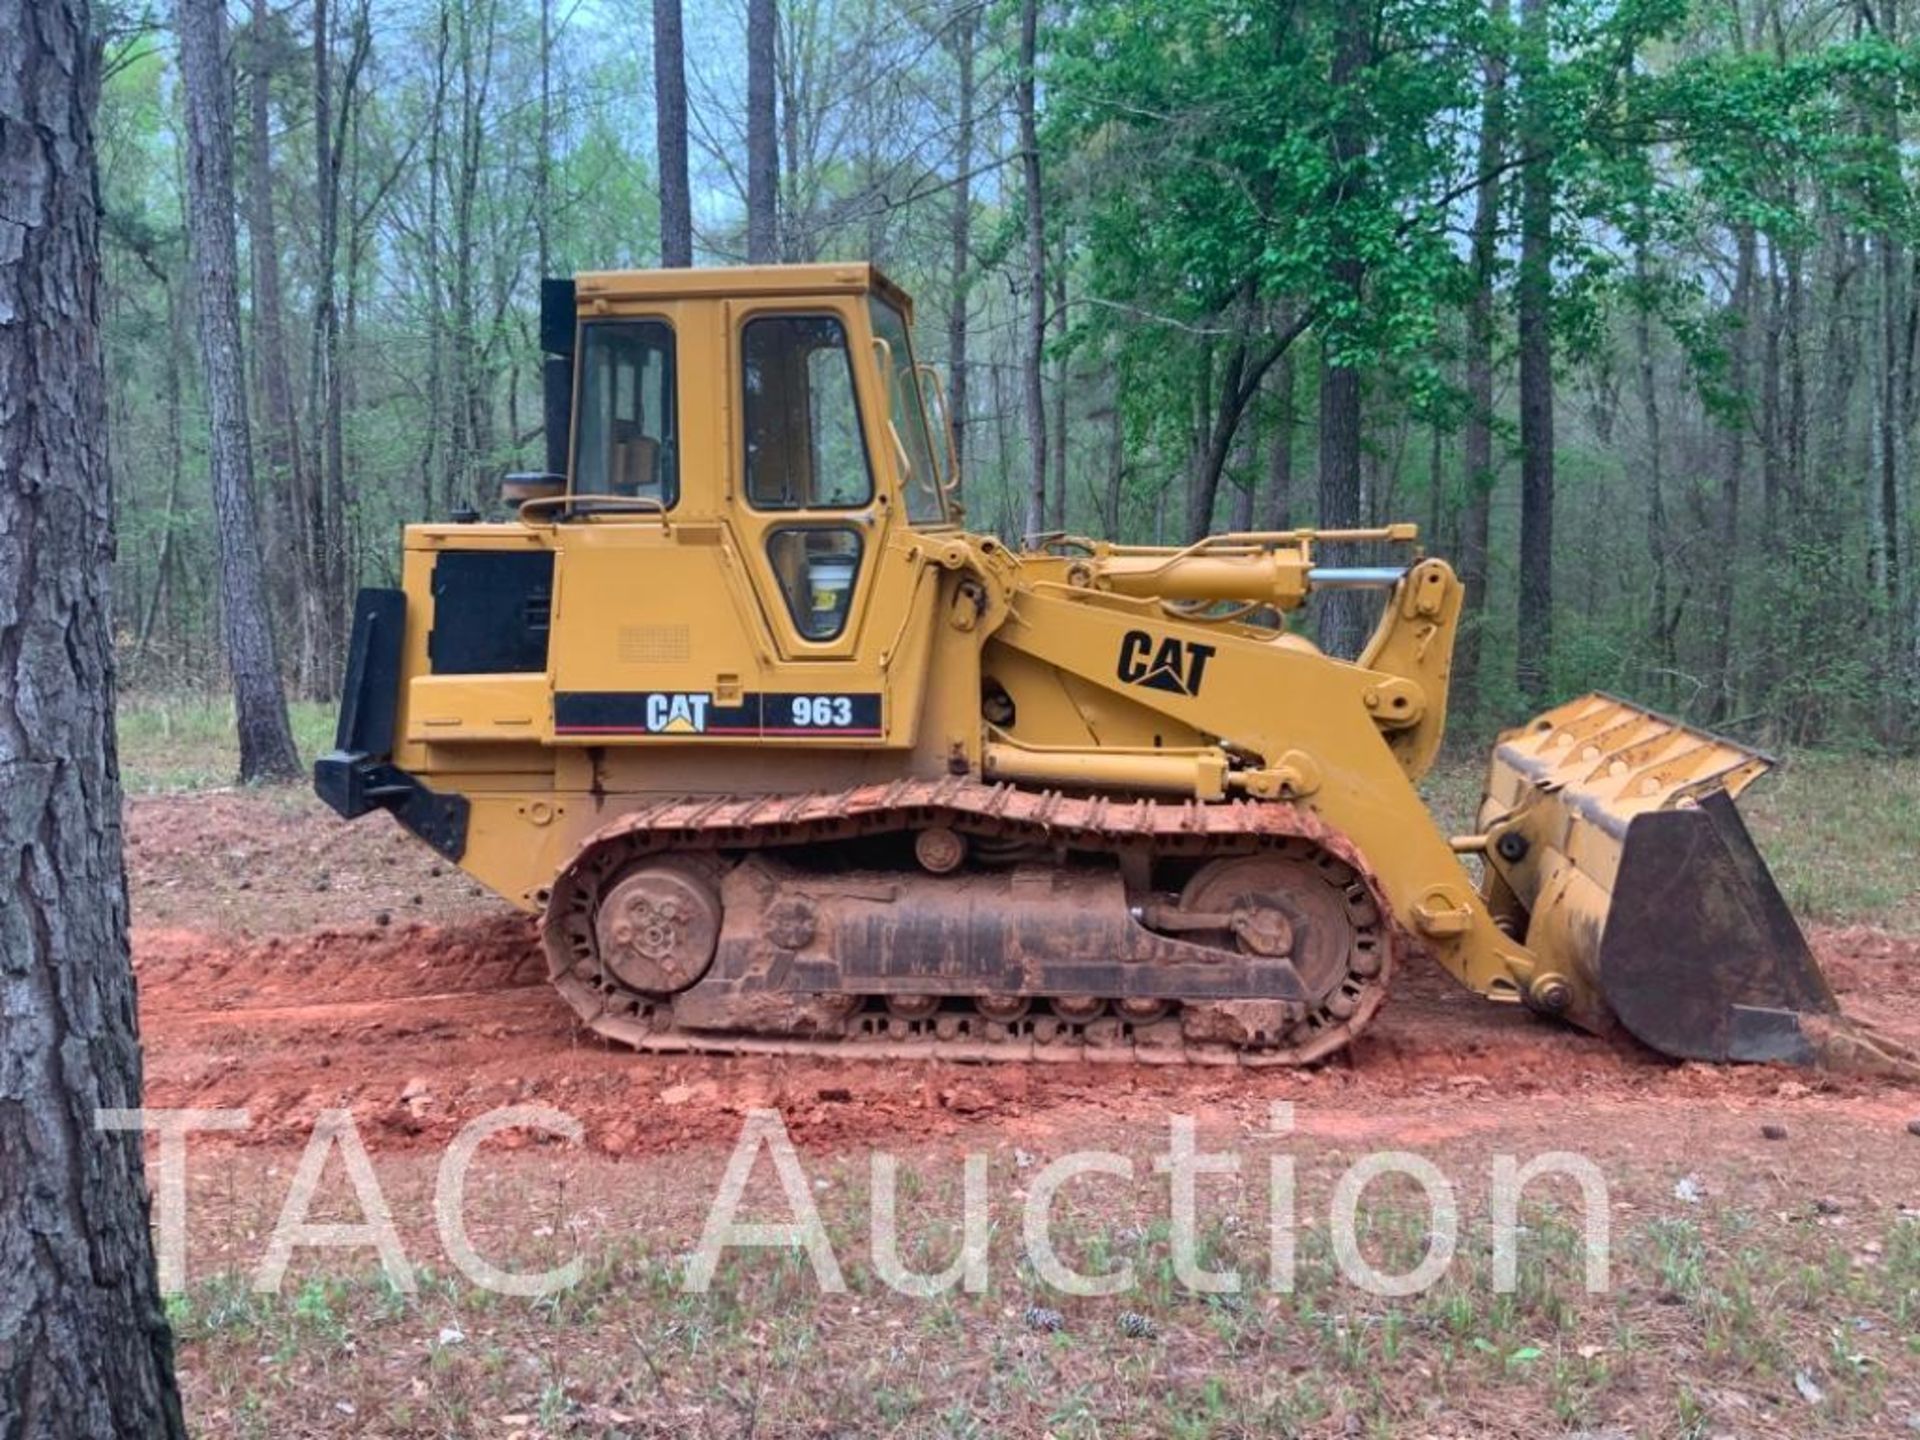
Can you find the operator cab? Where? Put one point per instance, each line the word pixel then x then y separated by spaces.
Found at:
pixel 833 421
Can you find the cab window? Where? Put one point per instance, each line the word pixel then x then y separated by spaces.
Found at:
pixel 816 566
pixel 920 482
pixel 627 436
pixel 804 448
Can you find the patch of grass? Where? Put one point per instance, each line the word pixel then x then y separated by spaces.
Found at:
pixel 1841 833
pixel 1703 1321
pixel 171 743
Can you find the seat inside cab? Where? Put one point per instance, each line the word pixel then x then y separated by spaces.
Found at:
pixel 627 432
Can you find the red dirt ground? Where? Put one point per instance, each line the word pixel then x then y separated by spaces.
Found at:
pixel 290 964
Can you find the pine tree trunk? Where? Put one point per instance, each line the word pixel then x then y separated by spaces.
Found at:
pixel 543 170
pixel 1661 631
pixel 1477 442
pixel 299 581
pixel 1033 356
pixel 85 1350
pixel 1726 540
pixel 960 225
pixel 1243 490
pixel 1116 462
pixel 670 103
pixel 1902 689
pixel 1220 422
pixel 1340 621
pixel 323 377
pixel 763 156
pixel 260 705
pixel 1057 450
pixel 791 166
pixel 432 453
pixel 471 400
pixel 1277 506
pixel 1534 649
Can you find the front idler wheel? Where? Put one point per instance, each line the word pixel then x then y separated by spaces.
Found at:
pixel 657 926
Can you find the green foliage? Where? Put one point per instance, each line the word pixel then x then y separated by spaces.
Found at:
pixel 1743 190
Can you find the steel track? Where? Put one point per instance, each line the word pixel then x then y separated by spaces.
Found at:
pixel 732 825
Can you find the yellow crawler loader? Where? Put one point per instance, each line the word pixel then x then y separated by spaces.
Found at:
pixel 786 758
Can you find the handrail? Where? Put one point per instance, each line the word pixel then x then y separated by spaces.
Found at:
pixel 933 384
pixel 533 512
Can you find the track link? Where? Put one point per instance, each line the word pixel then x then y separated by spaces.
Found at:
pixel 996 818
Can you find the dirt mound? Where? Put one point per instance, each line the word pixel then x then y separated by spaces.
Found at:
pixel 182 969
pixel 1869 963
pixel 280 862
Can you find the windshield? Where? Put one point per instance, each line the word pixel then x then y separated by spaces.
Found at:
pixel 921 482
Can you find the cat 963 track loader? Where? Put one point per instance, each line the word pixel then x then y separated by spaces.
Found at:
pixel 787 758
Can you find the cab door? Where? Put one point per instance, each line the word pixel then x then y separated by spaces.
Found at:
pixel 810 505
pixel 844 591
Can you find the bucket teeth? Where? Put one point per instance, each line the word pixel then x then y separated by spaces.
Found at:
pixel 1618 759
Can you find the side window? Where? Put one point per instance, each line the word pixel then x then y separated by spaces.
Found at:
pixel 919 479
pixel 803 439
pixel 816 566
pixel 627 434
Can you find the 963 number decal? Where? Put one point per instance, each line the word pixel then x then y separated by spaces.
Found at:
pixel 833 714
pixel 822 712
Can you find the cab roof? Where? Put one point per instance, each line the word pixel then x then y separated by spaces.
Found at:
pixel 726 281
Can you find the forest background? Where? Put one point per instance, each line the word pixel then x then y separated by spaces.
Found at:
pixel 1620 299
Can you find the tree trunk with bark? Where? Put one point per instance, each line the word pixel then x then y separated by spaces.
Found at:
pixel 1534 647
pixel 1116 463
pixel 260 704
pixel 1243 487
pixel 1034 353
pixel 273 406
pixel 543 166
pixel 1340 621
pixel 1477 442
pixel 763 155
pixel 670 105
pixel 477 25
pixel 1214 429
pixel 1277 504
pixel 1664 616
pixel 1726 560
pixel 1901 694
pixel 1057 450
pixel 433 462
pixel 85 1350
pixel 1341 624
pixel 960 227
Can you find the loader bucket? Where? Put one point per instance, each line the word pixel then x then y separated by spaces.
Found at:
pixel 1700 957
pixel 1616 854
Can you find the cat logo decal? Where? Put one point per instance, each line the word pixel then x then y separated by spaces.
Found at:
pixel 1175 666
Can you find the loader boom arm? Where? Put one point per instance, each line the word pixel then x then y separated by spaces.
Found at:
pixel 1209 587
